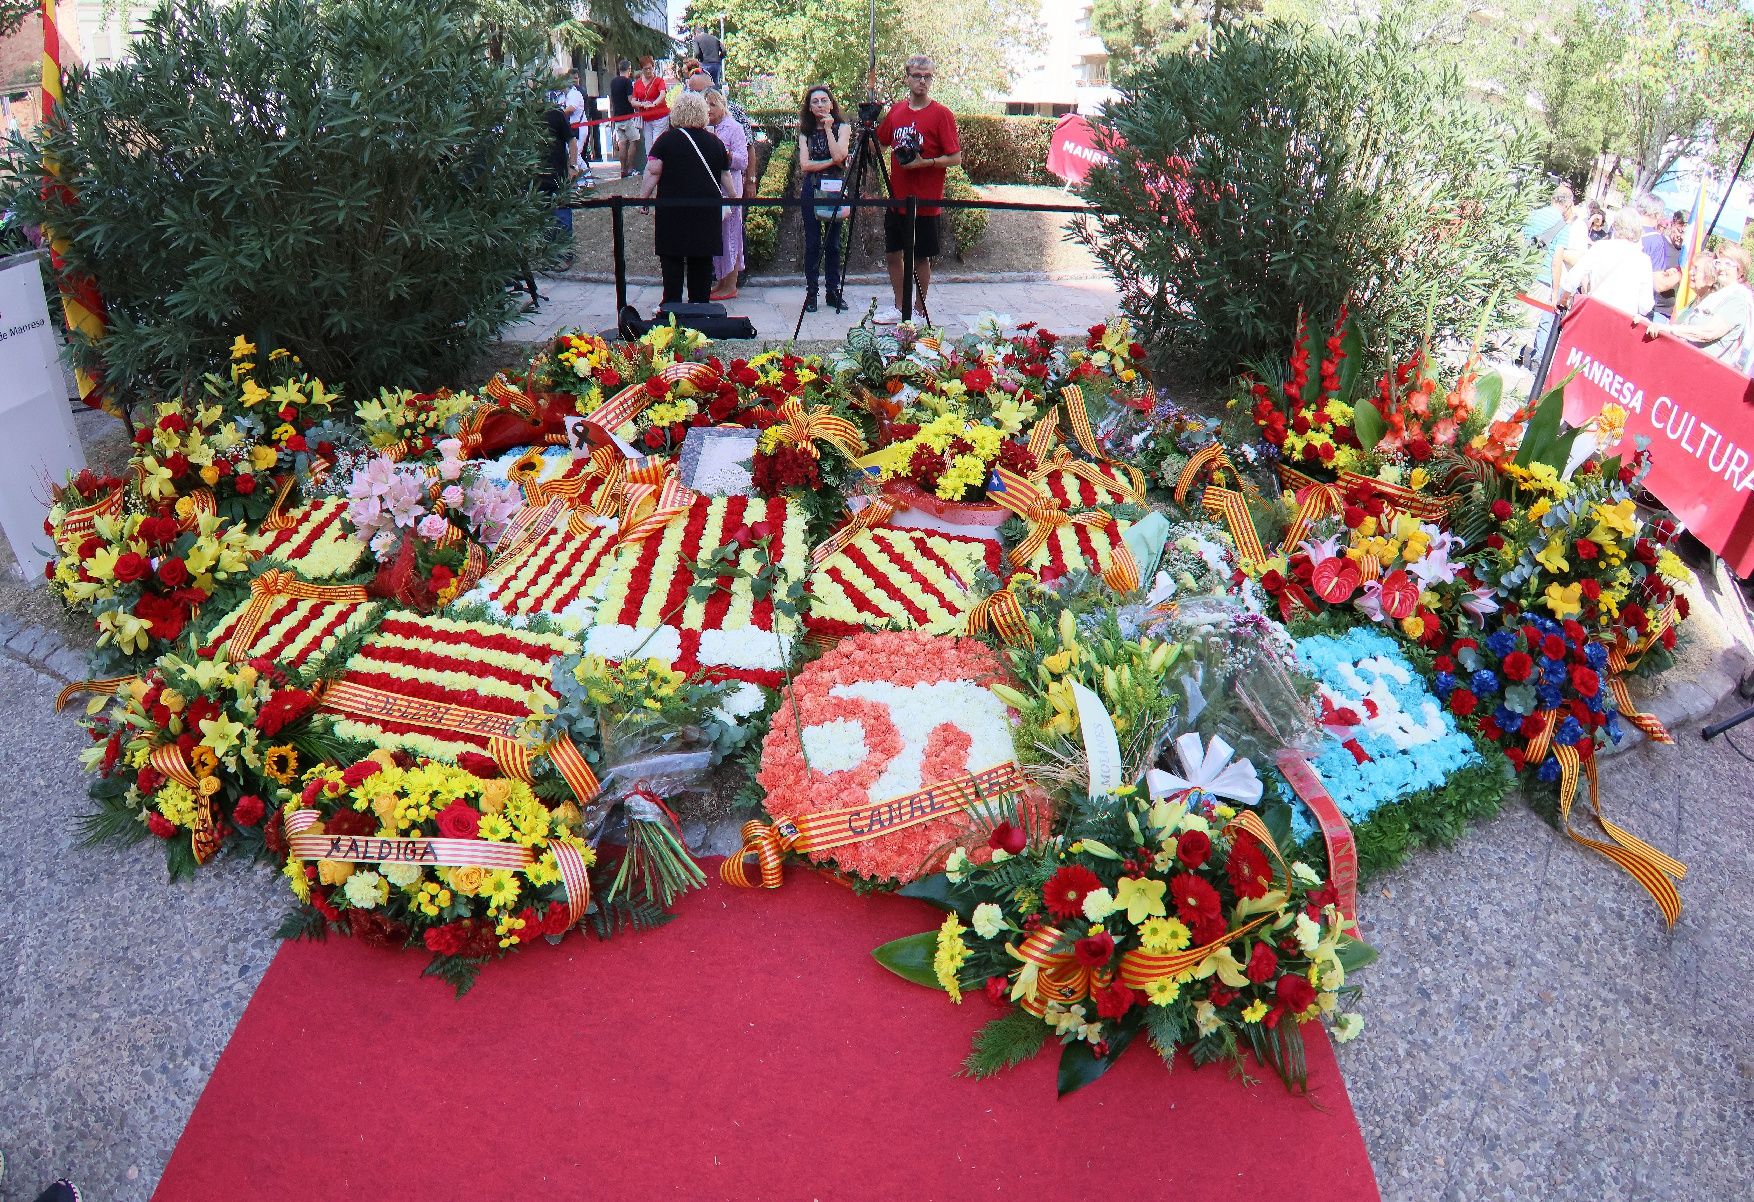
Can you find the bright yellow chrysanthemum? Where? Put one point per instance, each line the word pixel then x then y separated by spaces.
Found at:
pixel 948 958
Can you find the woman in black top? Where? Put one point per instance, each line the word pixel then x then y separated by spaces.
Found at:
pixel 823 139
pixel 689 161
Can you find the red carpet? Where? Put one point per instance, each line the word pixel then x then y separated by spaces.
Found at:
pixel 751 1050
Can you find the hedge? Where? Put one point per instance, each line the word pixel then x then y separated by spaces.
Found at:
pixel 995 150
pixel 967 226
pixel 761 227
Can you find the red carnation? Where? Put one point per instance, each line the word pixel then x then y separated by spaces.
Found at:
pixel 1463 702
pixel 1495 540
pixel 1093 951
pixel 447 940
pixel 1066 890
pixel 1247 868
pixel 361 772
pixel 476 764
pixel 657 388
pixel 249 810
pixel 998 990
pixel 1195 898
pixel 1518 666
pixel 159 825
pixel 1501 510
pixel 245 484
pixel 1193 848
pixel 1586 549
pixel 459 820
pixel 1114 1000
pixel 166 616
pixel 978 379
pixel 1585 681
pixel 1007 838
pixel 132 566
pixel 1262 963
pixel 1553 647
pixel 1295 992
pixel 356 823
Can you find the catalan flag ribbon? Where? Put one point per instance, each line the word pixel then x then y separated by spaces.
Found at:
pixel 80 300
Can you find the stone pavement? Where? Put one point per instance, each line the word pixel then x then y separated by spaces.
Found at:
pixel 1534 1031
pixel 1064 306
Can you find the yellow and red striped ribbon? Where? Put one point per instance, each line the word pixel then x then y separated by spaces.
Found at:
pixel 1001 613
pixel 1315 501
pixel 804 428
pixel 1623 657
pixel 510 396
pixel 1044 514
pixel 854 824
pixel 204 840
pixel 647 508
pixel 268 588
pixel 82 521
pixel 106 687
pixel 872 516
pixel 633 400
pixel 1209 459
pixel 81 302
pixel 517 760
pixel 1072 401
pixel 1230 506
pixel 277 518
pixel 1131 489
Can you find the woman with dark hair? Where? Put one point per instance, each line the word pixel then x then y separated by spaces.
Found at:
pixel 823 139
pixel 688 161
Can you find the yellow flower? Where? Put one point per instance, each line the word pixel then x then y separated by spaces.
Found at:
pixel 210 475
pixel 1163 990
pixel 263 457
pixel 295 876
pixel 949 955
pixel 1610 425
pixel 1539 509
pixel 242 347
pixel 221 733
pixel 1413 626
pixel 494 827
pixel 1622 518
pixel 1141 897
pixel 333 872
pixel 1564 600
pixel 500 888
pixel 1162 935
pixel 1419 479
pixel 1552 556
pixel 253 394
pixel 281 763
pixel 467 879
pixel 1255 1011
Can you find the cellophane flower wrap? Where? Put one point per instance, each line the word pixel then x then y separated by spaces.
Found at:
pixel 229 731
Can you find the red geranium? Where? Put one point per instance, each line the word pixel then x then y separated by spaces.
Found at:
pixel 354 823
pixel 1193 848
pixel 1066 890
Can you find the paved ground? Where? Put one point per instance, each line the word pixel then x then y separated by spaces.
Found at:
pixel 1069 306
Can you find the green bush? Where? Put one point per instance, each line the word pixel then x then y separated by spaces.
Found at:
pixel 761 229
pixel 1286 169
pixel 967 226
pixel 1006 150
pixel 354 182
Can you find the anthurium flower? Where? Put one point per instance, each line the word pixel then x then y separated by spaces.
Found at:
pixel 1141 897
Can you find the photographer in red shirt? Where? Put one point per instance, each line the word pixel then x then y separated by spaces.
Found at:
pixel 921 135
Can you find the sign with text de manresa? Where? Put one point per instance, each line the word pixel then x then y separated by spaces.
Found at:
pixel 38 441
pixel 1073 150
pixel 1697 414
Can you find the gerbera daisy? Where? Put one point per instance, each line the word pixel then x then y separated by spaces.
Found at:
pixel 1066 889
pixel 281 763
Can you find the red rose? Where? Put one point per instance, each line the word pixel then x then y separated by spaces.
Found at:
pixel 159 530
pixel 1295 992
pixel 245 484
pixel 1066 890
pixel 1272 582
pixel 1093 951
pixel 132 566
pixel 459 820
pixel 1262 963
pixel 1586 549
pixel 1007 838
pixel 166 617
pixel 249 810
pixel 1114 1000
pixel 173 572
pixel 1501 510
pixel 361 772
pixel 1463 702
pixel 159 825
pixel 1193 848
pixel 476 764
pixel 1518 666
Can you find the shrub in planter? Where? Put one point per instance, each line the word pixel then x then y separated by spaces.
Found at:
pixel 1288 169
pixel 354 182
pixel 1006 150
pixel 761 229
pixel 967 226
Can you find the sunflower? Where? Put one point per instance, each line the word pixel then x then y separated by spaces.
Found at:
pixel 203 761
pixel 281 763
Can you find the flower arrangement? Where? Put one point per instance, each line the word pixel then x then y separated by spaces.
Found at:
pixel 418 853
pixel 1390 567
pixel 881 717
pixel 192 752
pixel 951 457
pixel 428 532
pixel 1173 916
pixel 413 422
pixel 586 367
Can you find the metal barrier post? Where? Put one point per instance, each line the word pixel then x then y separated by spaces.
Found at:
pixel 616 203
pixel 907 259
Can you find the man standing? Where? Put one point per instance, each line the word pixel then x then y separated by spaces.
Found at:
pixel 921 134
pixel 624 123
pixel 706 47
pixel 1615 270
pixel 1664 255
pixel 1547 229
pixel 572 103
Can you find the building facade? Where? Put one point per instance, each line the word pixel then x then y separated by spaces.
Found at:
pixel 1071 75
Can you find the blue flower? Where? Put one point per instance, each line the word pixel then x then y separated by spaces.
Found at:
pixel 1613 727
pixel 1553 671
pixel 1548 695
pixel 1443 682
pixel 1507 718
pixel 1570 732
pixel 1484 682
pixel 1501 643
pixel 1597 655
pixel 1549 770
pixel 1548 626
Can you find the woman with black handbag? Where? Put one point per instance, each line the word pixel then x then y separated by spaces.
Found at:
pixel 823 140
pixel 687 161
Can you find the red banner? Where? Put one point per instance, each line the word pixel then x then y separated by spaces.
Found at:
pixel 1073 151
pixel 1697 414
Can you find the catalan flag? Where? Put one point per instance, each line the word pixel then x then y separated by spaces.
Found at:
pixel 1691 245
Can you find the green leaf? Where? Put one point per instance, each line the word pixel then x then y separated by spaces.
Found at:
pixel 934 889
pixel 1543 430
pixel 1368 424
pixel 1079 1066
pixel 911 958
pixel 1354 954
pixel 1488 392
pixel 1352 366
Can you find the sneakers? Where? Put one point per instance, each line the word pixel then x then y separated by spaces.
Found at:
pixel 888 316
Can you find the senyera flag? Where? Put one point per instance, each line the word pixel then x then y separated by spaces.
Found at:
pixel 80 301
pixel 1696 413
pixel 1074 149
pixel 1078 147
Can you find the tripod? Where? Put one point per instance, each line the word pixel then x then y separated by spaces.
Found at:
pixel 866 151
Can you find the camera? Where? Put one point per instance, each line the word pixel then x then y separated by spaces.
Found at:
pixel 907 145
pixel 871 112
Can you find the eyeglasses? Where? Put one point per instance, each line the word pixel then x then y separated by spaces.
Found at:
pixel 920 75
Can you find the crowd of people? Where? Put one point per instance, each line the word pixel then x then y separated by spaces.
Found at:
pixel 1631 259
pixel 700 146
